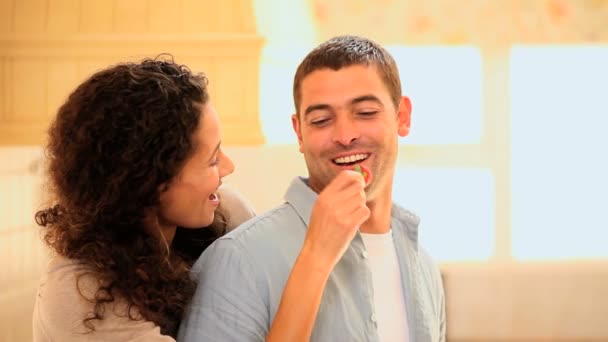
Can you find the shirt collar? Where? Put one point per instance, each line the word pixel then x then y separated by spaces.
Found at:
pixel 301 197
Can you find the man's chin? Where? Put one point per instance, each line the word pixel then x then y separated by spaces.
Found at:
pixel 316 185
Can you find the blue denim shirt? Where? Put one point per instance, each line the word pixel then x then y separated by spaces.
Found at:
pixel 242 275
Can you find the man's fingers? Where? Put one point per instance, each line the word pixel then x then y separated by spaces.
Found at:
pixel 357 217
pixel 344 179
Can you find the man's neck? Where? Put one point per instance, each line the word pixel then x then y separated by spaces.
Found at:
pixel 379 221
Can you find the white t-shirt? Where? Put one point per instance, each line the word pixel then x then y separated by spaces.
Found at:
pixel 389 299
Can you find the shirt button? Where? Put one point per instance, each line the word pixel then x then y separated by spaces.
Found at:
pixel 364 254
pixel 373 318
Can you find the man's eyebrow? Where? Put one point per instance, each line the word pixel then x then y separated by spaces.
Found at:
pixel 314 107
pixel 364 98
pixel 215 150
pixel 324 106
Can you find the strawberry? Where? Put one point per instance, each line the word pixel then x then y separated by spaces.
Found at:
pixel 364 171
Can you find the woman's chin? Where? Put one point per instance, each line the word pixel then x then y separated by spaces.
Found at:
pixel 207 221
pixel 200 223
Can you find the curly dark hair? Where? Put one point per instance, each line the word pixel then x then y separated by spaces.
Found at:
pixel 120 135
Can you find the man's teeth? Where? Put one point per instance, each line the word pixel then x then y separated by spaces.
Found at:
pixel 350 159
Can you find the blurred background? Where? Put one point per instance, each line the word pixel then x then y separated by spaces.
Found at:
pixel 506 164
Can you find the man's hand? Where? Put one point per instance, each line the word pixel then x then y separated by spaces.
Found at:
pixel 339 211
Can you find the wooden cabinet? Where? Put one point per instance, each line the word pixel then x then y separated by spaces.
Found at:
pixel 48 47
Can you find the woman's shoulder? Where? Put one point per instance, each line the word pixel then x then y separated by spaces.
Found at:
pixel 61 304
pixel 67 282
pixel 66 297
pixel 235 207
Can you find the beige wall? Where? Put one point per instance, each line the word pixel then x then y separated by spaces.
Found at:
pixel 22 258
pixel 48 46
pixel 488 24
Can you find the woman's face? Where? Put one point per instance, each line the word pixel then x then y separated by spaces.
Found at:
pixel 191 198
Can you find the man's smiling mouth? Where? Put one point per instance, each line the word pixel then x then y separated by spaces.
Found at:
pixel 351 160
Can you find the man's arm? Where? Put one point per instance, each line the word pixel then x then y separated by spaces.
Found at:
pixel 227 305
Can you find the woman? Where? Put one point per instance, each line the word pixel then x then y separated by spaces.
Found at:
pixel 135 162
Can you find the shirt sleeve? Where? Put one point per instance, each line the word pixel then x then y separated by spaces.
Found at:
pixel 435 282
pixel 227 305
pixel 439 295
pixel 442 321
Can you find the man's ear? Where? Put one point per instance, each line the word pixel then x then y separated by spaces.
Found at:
pixel 295 123
pixel 404 116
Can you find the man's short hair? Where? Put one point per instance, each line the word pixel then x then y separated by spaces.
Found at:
pixel 344 51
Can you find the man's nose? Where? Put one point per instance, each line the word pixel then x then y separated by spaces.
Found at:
pixel 345 132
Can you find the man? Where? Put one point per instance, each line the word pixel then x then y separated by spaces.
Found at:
pixel 338 261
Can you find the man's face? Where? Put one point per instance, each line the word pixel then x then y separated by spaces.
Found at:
pixel 347 118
